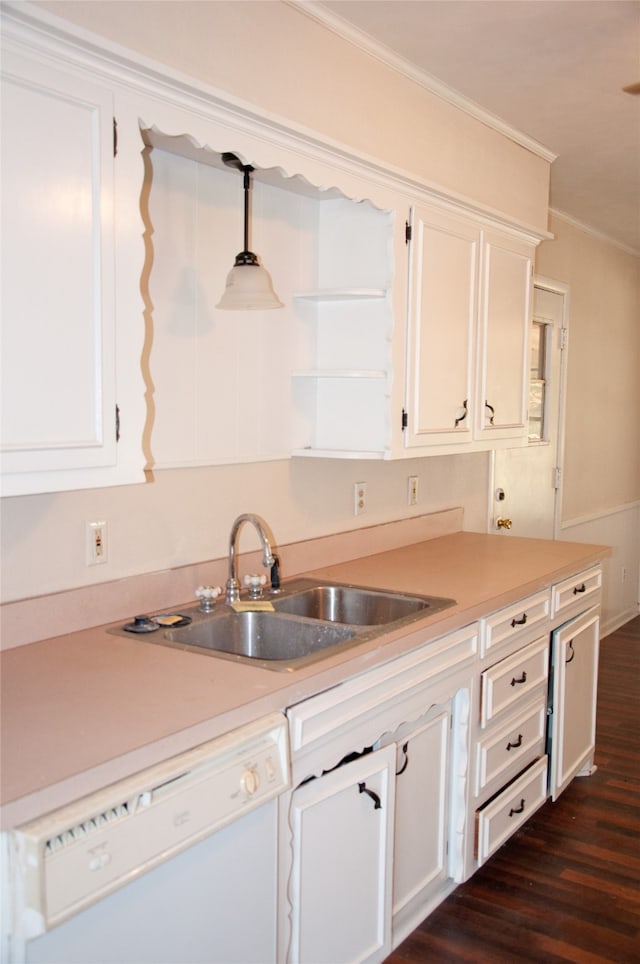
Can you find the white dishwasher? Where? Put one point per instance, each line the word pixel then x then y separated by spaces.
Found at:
pixel 175 864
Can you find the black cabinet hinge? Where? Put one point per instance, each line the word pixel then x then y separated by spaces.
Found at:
pixel 407 232
pixel 115 137
pixel 117 423
pixel 405 420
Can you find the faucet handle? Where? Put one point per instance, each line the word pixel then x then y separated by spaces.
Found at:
pixel 254 585
pixel 207 596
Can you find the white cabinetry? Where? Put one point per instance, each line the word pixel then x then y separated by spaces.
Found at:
pixel 422 813
pixel 442 328
pixel 503 338
pixel 468 336
pixel 574 666
pixel 372 836
pixel 344 395
pixel 60 386
pixel 509 762
pixel 342 828
pixel 536 705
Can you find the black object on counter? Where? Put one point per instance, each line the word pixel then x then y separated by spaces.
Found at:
pixel 149 624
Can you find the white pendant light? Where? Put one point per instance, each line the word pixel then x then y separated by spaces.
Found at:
pixel 248 283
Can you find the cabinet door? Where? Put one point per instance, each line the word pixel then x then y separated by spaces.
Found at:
pixel 58 370
pixel 442 313
pixel 420 851
pixel 575 648
pixel 503 356
pixel 340 886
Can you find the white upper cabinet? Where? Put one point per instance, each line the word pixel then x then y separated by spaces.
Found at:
pixel 61 410
pixel 441 330
pixel 343 395
pixel 114 263
pixel 503 338
pixel 469 311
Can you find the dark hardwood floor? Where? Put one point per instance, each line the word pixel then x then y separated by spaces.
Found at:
pixel 567 886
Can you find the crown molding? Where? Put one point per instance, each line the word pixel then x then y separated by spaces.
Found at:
pixel 385 55
pixel 594 232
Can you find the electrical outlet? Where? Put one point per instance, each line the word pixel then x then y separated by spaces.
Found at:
pixel 412 490
pixel 359 498
pixel 623 574
pixel 96 543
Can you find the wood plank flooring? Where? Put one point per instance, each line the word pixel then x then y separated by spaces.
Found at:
pixel 567 886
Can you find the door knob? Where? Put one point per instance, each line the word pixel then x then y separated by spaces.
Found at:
pixel 504 523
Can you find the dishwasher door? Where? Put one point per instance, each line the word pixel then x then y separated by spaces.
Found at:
pixel 177 863
pixel 215 902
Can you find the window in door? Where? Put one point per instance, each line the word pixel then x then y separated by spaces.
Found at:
pixel 538 381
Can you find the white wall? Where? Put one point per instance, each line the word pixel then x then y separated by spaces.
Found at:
pixel 601 495
pixel 185 515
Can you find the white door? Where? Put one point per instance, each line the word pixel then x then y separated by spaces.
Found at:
pixel 574 657
pixel 443 285
pixel 526 481
pixel 341 881
pixel 421 833
pixel 58 374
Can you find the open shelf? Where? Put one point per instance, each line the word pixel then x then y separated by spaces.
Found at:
pixel 341 294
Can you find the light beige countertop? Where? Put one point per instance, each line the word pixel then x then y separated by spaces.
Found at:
pixel 83 710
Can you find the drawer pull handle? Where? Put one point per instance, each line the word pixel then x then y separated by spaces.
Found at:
pixel 577 589
pixel 519 622
pixel 514 746
pixel 571 650
pixel 523 679
pixel 377 803
pixel 405 762
pixel 516 810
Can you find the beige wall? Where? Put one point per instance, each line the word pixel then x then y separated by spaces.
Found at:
pixel 602 443
pixel 184 516
pixel 274 56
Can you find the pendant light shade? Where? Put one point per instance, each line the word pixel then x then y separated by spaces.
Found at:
pixel 248 283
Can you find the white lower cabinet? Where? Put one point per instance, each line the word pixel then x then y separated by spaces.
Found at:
pixel 510 766
pixel 506 749
pixel 408 777
pixel 572 733
pixel 369 831
pixel 342 824
pixel 422 815
pixel 502 816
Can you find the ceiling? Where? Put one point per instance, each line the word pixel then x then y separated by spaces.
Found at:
pixel 552 69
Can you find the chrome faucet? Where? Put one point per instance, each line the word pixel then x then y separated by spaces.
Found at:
pixel 233 586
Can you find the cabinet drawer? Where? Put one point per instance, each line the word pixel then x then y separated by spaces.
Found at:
pixel 513 679
pixel 496 821
pixel 577 589
pixel 519 622
pixel 505 751
pixel 341 708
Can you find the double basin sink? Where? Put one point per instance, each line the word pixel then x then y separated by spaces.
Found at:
pixel 306 621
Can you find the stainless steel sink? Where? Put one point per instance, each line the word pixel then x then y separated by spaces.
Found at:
pixel 261 636
pixel 353 606
pixel 311 620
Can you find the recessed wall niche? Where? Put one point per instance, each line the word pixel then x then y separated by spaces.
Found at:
pixel 245 386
